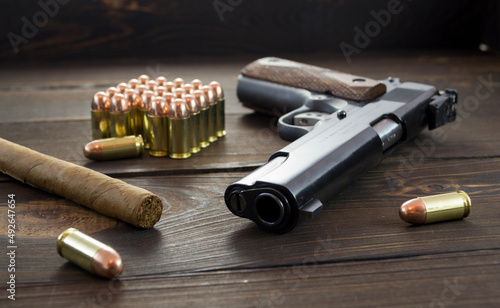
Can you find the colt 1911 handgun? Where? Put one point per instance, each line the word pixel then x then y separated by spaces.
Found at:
pixel 342 125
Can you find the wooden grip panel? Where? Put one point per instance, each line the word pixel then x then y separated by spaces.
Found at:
pixel 314 78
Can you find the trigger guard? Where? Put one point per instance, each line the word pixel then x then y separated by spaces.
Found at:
pixel 287 130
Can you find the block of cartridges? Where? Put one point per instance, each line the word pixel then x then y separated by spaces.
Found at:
pixel 174 118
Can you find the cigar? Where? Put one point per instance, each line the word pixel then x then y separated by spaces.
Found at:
pixel 99 192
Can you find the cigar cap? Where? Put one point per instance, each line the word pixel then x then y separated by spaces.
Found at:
pixel 178 109
pixel 201 99
pixel 133 83
pixel 100 101
pixel 161 81
pixel 157 107
pixel 122 87
pixel 209 94
pixel 191 104
pixel 119 104
pixel 197 84
pixel 143 79
pixel 179 82
pixel 217 88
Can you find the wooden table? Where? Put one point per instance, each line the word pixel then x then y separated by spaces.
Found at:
pixel 357 252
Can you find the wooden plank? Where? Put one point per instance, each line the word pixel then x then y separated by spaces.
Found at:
pixel 457 279
pixel 198 233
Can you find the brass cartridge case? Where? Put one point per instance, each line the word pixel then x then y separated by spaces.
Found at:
pixel 119 116
pixel 194 123
pixel 431 209
pixel 89 254
pixel 145 105
pixel 220 112
pixel 100 124
pixel 99 114
pixel 158 135
pixel 114 148
pixel 136 124
pixel 204 118
pixel 212 113
pixel 158 128
pixel 120 124
pixel 179 133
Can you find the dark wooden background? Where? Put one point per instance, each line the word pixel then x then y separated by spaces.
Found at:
pixel 83 29
pixel 356 253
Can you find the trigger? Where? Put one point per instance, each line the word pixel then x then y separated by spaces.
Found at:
pixel 309 118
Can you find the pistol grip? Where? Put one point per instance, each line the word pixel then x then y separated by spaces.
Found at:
pixel 313 78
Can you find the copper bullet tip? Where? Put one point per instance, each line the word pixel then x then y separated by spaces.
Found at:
pixel 147 99
pixel 191 104
pixel 179 93
pixel 133 83
pixel 111 91
pixel 200 98
pixel 178 109
pixel 217 88
pixel 122 87
pixel 107 263
pixel 160 90
pixel 152 85
pixel 93 150
pixel 197 84
pixel 169 98
pixel 413 211
pixel 179 82
pixel 143 79
pixel 188 88
pixel 161 81
pixel 131 97
pixel 209 94
pixel 99 101
pixel 170 86
pixel 119 104
pixel 157 107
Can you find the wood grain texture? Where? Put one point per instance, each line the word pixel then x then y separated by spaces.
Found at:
pixel 356 253
pixel 110 28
